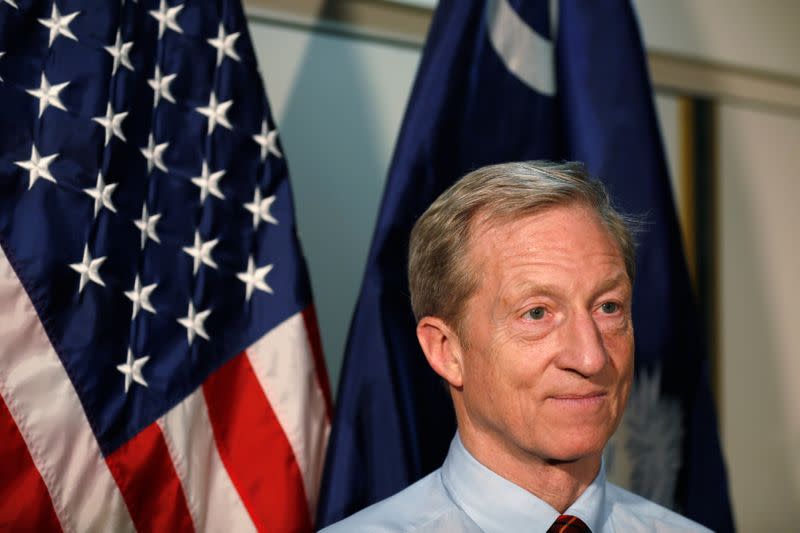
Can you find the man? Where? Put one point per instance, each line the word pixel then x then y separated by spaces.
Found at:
pixel 521 278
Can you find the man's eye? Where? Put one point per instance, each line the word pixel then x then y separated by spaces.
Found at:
pixel 610 307
pixel 537 313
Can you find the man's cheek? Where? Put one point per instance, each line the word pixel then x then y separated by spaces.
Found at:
pixel 618 337
pixel 621 326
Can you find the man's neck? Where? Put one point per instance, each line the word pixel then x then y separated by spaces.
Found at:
pixel 559 484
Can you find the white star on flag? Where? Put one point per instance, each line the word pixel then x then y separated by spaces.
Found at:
pixel 132 369
pixel 88 268
pixel 112 123
pixel 102 194
pixel 209 183
pixel 260 208
pixel 160 86
pixel 121 53
pixel 140 296
pixel 1 55
pixel 267 140
pixel 12 4
pixel 154 154
pixel 147 226
pixel 195 323
pixel 166 17
pixel 48 94
pixel 254 278
pixel 216 112
pixel 224 44
pixel 59 25
pixel 37 166
pixel 201 252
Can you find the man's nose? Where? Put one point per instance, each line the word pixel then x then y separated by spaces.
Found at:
pixel 584 350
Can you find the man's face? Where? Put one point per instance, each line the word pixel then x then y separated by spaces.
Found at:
pixel 548 358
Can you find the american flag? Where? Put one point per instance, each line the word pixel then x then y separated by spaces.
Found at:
pixel 160 365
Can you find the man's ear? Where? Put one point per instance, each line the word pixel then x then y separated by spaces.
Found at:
pixel 442 349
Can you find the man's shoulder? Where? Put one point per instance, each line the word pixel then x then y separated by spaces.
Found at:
pixel 424 506
pixel 631 512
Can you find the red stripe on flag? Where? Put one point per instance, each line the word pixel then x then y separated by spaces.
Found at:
pixel 146 476
pixel 25 503
pixel 314 339
pixel 255 450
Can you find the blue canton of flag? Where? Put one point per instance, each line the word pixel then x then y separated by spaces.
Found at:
pixel 499 81
pixel 159 358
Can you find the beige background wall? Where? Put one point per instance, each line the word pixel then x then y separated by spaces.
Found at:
pixel 339 99
pixel 759 293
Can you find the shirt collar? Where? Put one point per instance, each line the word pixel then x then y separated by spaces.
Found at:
pixel 591 504
pixel 497 505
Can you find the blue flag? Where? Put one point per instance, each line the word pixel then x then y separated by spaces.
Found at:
pixel 509 80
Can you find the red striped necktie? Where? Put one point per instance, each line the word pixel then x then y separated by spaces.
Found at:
pixel 569 524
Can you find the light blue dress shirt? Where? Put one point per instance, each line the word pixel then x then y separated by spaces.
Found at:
pixel 465 496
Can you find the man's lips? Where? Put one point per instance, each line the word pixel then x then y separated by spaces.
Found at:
pixel 578 396
pixel 584 399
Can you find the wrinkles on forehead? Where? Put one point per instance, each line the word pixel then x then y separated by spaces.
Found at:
pixel 516 256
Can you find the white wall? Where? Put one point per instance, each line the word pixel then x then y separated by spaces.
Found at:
pixel 760 35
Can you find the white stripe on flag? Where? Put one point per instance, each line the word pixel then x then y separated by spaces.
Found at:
pixel 49 415
pixel 284 365
pixel 528 55
pixel 213 501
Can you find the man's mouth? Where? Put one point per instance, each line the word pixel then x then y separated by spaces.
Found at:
pixel 588 399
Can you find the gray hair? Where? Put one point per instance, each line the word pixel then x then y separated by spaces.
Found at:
pixel 441 280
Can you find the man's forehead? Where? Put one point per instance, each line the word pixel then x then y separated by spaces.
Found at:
pixel 566 236
pixel 545 225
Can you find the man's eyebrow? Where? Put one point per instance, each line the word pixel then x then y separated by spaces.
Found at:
pixel 621 278
pixel 531 287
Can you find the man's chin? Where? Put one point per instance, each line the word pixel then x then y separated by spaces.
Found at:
pixel 570 460
pixel 576 452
